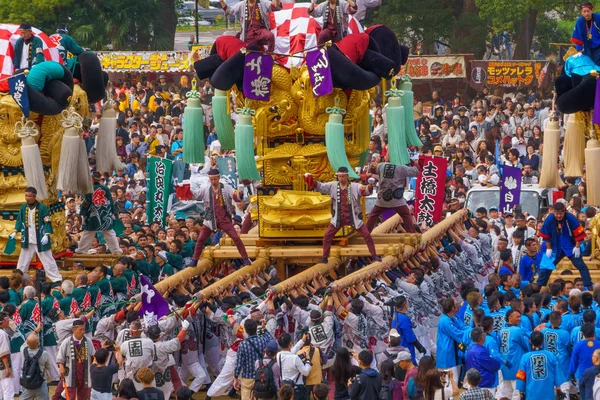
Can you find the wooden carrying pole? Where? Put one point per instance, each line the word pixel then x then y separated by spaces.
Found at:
pixel 307 275
pixel 388 262
pixel 388 225
pixel 204 264
pixel 234 278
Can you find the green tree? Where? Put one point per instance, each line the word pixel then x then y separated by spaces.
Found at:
pixel 426 21
pixel 522 17
pixel 124 24
pixel 42 14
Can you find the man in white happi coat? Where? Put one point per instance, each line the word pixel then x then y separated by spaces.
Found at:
pixel 6 383
pixel 163 361
pixel 346 209
pixel 392 179
pixel 223 384
pixel 255 21
pixel 74 360
pixel 219 206
pixel 138 352
pixel 190 354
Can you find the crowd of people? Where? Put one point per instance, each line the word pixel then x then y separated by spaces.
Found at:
pixel 480 319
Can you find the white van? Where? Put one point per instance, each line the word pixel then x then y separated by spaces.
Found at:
pixel 534 200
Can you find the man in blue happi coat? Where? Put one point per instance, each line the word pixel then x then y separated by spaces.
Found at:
pixel 586 34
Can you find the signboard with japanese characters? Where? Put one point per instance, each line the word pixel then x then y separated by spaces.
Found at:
pixel 258 73
pixel 434 67
pixel 429 193
pixel 510 191
pixel 151 61
pixel 158 182
pixel 512 74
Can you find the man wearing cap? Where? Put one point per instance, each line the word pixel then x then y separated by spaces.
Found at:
pixel 219 206
pixel 65 44
pixel 391 193
pixel 164 356
pixel 322 334
pixel 29 49
pixel 562 235
pixel 33 221
pixel 346 208
pixel 71 209
pixel 404 361
pixel 98 211
pixel 586 34
pixel 74 360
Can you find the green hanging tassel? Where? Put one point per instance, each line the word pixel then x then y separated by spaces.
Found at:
pixel 244 146
pixel 407 101
pixel 396 121
pixel 334 140
pixel 193 128
pixel 222 118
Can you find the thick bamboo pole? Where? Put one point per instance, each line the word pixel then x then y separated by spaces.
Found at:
pixel 307 275
pixel 234 278
pixel 407 252
pixel 441 228
pixel 388 225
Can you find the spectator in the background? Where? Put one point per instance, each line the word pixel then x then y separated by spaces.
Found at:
pixel 177 146
pixel 137 145
pixel 529 121
pixel 531 158
pixel 378 126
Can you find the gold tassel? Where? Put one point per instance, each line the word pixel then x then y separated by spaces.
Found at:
pixel 549 177
pixel 575 145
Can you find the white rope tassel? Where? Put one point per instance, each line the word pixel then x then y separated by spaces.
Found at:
pixel 72 170
pixel 32 160
pixel 106 149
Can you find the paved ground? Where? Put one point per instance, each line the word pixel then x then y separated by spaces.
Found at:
pixel 182 38
pixel 197 396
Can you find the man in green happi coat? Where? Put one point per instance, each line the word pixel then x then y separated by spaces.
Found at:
pixel 33 221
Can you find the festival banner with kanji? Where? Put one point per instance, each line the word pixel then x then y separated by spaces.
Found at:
pixel 258 73
pixel 538 74
pixel 319 71
pixel 510 190
pixel 429 193
pixel 158 182
pixel 434 67
pixel 228 170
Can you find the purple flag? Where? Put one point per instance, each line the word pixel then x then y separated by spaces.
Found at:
pixel 258 73
pixel 510 191
pixel 596 116
pixel 154 306
pixel 317 62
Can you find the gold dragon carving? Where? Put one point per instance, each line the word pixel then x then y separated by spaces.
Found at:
pixel 289 138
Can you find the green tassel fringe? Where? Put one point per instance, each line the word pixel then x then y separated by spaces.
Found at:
pixel 193 133
pixel 412 138
pixel 396 121
pixel 222 118
pixel 336 146
pixel 244 149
